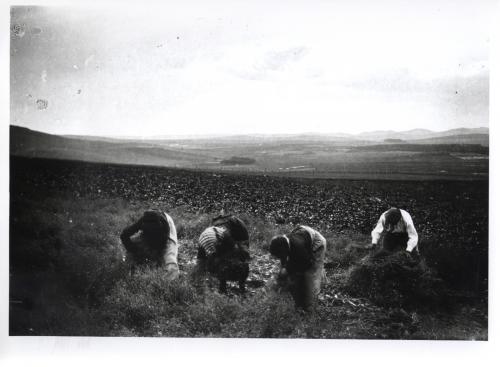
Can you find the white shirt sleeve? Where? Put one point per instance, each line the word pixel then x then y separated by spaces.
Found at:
pixel 173 231
pixel 410 229
pixel 379 228
pixel 172 247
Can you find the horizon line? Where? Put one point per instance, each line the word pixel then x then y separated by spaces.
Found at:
pixel 229 135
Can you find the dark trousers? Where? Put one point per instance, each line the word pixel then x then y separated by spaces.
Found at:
pixel 391 242
pixel 394 241
pixel 306 286
pixel 140 253
pixel 231 265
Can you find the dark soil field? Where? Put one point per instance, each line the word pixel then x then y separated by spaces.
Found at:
pixel 67 276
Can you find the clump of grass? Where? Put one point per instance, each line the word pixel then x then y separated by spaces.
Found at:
pixel 397 281
pixel 344 250
pixel 135 302
pixel 463 265
pixel 190 227
pixel 65 255
pixel 147 304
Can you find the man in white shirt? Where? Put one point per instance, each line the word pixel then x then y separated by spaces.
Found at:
pixel 395 231
pixel 152 240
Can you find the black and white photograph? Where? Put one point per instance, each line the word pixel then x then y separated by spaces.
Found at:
pixel 250 169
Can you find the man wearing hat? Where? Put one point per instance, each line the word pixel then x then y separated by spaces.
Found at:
pixel 302 255
pixel 395 232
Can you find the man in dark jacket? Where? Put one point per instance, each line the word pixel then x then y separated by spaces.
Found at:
pixel 302 255
pixel 152 240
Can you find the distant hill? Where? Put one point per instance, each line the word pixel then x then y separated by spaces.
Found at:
pixel 389 134
pixel 339 138
pixel 361 138
pixel 29 143
pixel 418 134
pixel 327 152
pixel 464 131
pixel 394 141
pixel 425 148
pixel 482 139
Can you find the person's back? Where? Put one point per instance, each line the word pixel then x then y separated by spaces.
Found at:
pixel 302 254
pixel 234 225
pixel 155 230
pixel 152 240
pixel 395 231
pixel 223 250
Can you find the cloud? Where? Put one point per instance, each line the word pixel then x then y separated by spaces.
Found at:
pixel 471 79
pixel 278 60
pixel 255 64
pixel 316 67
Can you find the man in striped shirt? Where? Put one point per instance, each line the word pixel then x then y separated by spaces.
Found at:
pixel 152 240
pixel 302 255
pixel 395 232
pixel 223 250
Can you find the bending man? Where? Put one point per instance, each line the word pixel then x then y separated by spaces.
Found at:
pixel 395 232
pixel 223 250
pixel 302 255
pixel 152 240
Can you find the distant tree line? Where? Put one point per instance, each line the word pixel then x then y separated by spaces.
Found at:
pixel 432 148
pixel 238 160
pixel 393 141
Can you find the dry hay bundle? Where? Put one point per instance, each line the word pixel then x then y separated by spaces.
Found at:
pixel 396 280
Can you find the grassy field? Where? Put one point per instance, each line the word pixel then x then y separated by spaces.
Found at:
pixel 67 276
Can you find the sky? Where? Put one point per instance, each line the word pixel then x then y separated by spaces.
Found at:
pixel 241 67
